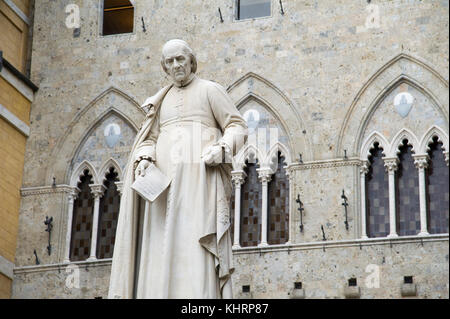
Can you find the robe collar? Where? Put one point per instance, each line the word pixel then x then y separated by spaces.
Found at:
pixel 189 80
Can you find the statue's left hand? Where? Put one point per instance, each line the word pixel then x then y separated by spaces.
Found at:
pixel 213 155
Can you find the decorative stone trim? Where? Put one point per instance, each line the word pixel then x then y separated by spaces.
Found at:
pixel 17 11
pixel 55 267
pixel 6 268
pixel 325 164
pixel 14 120
pixel 344 244
pixel 45 190
pixel 18 84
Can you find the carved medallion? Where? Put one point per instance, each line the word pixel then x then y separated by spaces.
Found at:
pixel 112 134
pixel 403 103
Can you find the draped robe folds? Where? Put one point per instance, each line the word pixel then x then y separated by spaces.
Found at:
pixel 185 249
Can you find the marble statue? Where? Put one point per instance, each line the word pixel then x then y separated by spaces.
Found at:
pixel 179 245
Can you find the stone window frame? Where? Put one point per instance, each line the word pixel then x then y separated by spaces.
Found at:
pixel 267 167
pixel 97 189
pixel 235 13
pixel 100 21
pixel 391 152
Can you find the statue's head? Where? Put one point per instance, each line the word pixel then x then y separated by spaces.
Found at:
pixel 178 60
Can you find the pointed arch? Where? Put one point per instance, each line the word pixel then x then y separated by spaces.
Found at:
pixel 272 156
pixel 111 101
pixel 248 152
pixel 254 87
pixel 427 138
pixel 368 145
pixel 79 171
pixel 111 162
pixel 398 139
pixel 403 68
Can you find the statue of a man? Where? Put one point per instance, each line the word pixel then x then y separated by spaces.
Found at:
pixel 180 247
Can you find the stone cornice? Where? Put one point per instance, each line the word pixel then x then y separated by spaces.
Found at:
pixel 61 266
pixel 45 190
pixel 331 163
pixel 343 243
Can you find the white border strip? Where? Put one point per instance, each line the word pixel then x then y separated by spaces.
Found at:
pixel 17 84
pixel 14 120
pixel 17 11
pixel 6 268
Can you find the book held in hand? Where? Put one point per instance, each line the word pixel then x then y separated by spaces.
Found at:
pixel 152 184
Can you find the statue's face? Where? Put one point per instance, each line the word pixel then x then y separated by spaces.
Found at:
pixel 177 62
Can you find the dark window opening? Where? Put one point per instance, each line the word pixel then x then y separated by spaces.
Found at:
pixel 246 288
pixel 437 189
pixel 108 216
pixel 248 9
pixel 298 285
pixel 118 17
pixel 407 192
pixel 352 282
pixel 251 194
pixel 82 220
pixel 377 190
pixel 408 279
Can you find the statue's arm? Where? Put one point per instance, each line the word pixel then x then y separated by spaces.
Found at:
pixel 233 126
pixel 146 149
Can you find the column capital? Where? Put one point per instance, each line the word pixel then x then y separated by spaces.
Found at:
pixel 364 167
pixel 97 190
pixel 73 193
pixel 446 157
pixel 238 177
pixel 264 174
pixel 119 186
pixel 391 163
pixel 421 161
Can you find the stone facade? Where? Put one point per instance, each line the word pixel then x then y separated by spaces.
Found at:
pixel 324 70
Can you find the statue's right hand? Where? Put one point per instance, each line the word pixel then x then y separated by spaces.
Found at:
pixel 140 169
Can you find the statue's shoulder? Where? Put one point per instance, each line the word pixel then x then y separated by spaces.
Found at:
pixel 155 99
pixel 211 85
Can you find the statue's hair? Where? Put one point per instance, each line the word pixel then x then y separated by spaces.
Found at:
pixel 187 49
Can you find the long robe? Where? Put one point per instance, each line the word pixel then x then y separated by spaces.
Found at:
pixel 185 243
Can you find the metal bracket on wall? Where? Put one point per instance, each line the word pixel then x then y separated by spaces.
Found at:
pixel 220 14
pixel 281 7
pixel 37 259
pixel 49 223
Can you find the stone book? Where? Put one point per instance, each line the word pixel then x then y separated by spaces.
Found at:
pixel 152 184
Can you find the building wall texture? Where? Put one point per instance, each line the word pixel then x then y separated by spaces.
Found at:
pixel 327 70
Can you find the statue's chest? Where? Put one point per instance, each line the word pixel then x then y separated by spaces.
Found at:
pixel 182 104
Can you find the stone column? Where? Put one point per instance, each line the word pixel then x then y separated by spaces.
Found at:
pixel 290 173
pixel 238 178
pixel 391 166
pixel 71 200
pixel 363 170
pixel 421 162
pixel 97 191
pixel 264 176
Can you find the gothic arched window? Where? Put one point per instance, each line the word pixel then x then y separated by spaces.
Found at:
pixel 437 189
pixel 250 207
pixel 377 190
pixel 278 210
pixel 82 220
pixel 407 193
pixel 108 216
